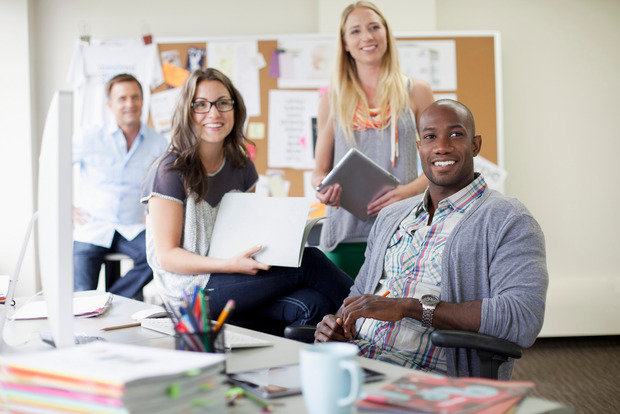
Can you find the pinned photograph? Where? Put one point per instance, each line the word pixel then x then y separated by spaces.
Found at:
pixel 172 57
pixel 195 58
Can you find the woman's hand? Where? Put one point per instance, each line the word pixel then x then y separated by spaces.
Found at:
pixel 392 196
pixel 330 195
pixel 244 262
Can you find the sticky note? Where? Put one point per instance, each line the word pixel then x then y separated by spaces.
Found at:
pixel 256 130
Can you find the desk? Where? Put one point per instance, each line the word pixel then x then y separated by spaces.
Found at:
pixel 283 351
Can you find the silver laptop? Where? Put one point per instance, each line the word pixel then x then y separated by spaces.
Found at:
pixel 362 181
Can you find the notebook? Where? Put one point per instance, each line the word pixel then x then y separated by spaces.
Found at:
pixel 362 180
pixel 233 340
pixel 280 381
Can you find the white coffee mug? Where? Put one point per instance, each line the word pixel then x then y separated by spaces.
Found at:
pixel 331 378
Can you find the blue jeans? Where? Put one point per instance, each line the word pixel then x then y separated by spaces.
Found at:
pixel 87 260
pixel 299 296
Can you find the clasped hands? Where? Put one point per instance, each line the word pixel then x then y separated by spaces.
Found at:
pixel 341 327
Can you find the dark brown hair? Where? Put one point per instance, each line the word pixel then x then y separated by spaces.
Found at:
pixel 186 136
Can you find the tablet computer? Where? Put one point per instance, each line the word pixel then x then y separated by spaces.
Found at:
pixel 362 180
pixel 281 381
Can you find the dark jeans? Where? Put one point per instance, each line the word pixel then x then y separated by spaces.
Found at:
pixel 299 296
pixel 87 260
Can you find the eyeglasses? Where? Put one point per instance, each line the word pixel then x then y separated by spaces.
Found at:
pixel 203 106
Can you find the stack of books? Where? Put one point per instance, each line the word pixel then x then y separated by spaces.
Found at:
pixel 101 378
pixel 428 393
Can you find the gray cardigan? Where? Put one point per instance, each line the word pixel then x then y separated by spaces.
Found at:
pixel 495 253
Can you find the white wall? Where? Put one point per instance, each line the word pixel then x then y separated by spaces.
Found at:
pixel 561 83
pixel 16 202
pixel 403 15
pixel 561 106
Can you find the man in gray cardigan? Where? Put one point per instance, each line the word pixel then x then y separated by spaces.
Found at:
pixel 460 256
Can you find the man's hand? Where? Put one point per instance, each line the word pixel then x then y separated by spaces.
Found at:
pixel 79 217
pixel 330 330
pixel 370 306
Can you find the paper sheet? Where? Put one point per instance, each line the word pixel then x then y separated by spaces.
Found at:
pixel 162 107
pixel 305 63
pixel 493 175
pixel 4 287
pixel 240 62
pixel 290 128
pixel 431 60
pixel 82 306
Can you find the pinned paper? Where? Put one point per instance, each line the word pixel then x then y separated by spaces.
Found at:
pixel 195 58
pixel 173 75
pixel 256 130
pixel 258 61
pixel 251 151
pixel 274 68
pixel 494 175
pixel 171 56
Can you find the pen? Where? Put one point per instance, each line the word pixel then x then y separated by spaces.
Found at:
pixel 387 292
pixel 188 319
pixel 127 325
pixel 230 305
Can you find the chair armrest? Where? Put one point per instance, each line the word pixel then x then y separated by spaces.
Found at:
pixel 472 340
pixel 302 333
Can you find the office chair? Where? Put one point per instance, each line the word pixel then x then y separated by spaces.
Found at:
pixel 112 266
pixel 492 352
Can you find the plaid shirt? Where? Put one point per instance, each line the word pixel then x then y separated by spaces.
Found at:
pixel 412 268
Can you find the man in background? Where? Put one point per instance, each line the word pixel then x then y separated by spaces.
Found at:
pixel 460 256
pixel 108 216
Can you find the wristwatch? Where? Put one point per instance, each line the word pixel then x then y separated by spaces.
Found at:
pixel 429 303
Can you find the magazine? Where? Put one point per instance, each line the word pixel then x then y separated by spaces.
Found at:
pixel 431 393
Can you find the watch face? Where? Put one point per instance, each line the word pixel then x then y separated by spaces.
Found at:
pixel 430 300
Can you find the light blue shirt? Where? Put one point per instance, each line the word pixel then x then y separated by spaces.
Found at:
pixel 108 181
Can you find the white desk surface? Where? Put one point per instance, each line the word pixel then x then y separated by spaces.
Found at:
pixel 284 351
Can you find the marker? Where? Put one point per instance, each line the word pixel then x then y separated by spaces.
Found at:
pixel 387 292
pixel 230 305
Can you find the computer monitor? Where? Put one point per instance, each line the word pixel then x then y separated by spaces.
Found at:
pixel 55 200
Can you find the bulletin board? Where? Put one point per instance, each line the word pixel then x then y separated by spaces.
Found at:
pixel 478 85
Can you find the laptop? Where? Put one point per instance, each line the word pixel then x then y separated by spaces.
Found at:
pixel 362 181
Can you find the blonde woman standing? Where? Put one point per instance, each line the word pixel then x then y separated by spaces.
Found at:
pixel 368 95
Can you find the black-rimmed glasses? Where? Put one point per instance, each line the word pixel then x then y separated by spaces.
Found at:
pixel 202 106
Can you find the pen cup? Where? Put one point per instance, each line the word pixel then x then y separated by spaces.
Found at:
pixel 212 341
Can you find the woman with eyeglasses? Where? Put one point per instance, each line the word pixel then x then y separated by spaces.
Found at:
pixel 367 96
pixel 207 159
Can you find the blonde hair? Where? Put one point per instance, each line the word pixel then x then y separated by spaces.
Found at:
pixel 345 91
